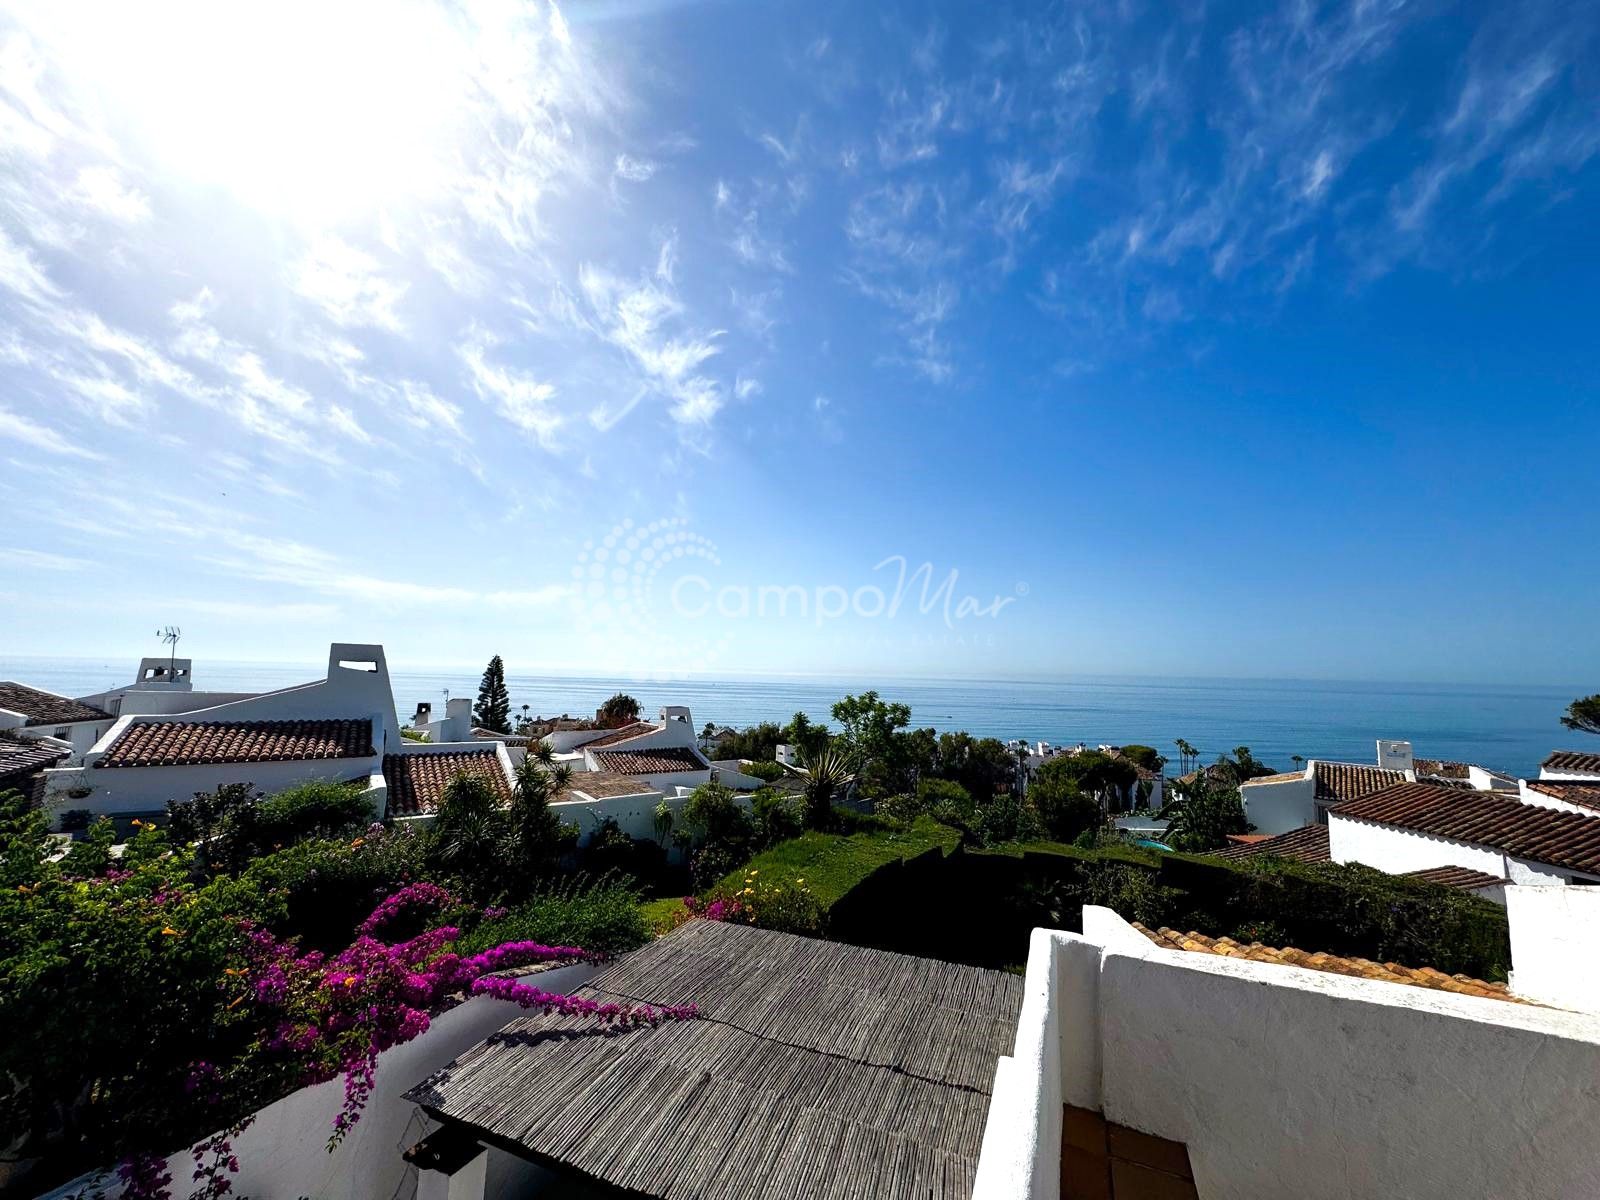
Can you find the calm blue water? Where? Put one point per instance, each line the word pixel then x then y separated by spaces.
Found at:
pixel 1510 728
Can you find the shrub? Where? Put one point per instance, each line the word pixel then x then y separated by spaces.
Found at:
pixel 764 769
pixel 602 915
pixel 778 817
pixel 319 809
pixel 1065 809
pixel 783 905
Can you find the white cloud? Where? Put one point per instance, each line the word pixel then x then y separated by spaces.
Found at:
pixel 19 428
pixel 101 190
pixel 633 170
pixel 22 273
pixel 527 402
pixel 40 560
pixel 348 286
pixel 639 319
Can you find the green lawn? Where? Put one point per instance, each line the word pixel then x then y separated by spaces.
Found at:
pixel 663 915
pixel 833 863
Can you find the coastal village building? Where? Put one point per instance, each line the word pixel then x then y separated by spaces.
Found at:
pixel 32 714
pixel 341 728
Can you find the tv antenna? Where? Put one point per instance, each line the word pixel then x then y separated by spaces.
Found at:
pixel 170 636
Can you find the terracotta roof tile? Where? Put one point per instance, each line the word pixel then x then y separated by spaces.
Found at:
pixel 1573 791
pixel 1337 782
pixel 417 781
pixel 1457 877
pixel 622 734
pixel 1360 968
pixel 1308 844
pixel 601 785
pixel 20 757
pixel 1547 835
pixel 649 762
pixel 46 708
pixel 1280 777
pixel 1574 761
pixel 193 743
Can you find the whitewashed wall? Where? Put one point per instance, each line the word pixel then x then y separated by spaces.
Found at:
pixel 1286 1082
pixel 1397 851
pixel 147 789
pixel 1555 932
pixel 1280 806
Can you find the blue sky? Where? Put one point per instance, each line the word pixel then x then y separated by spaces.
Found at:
pixel 1195 339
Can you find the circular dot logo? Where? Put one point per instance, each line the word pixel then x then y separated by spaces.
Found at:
pixel 620 586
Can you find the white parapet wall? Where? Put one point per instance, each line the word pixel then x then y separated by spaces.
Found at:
pixel 1555 933
pixel 1288 1082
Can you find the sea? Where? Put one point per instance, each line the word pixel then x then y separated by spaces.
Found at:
pixel 1509 728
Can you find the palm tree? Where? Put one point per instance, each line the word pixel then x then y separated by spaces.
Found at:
pixel 826 773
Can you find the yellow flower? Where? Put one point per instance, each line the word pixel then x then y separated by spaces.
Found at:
pixel 755 870
pixel 137 822
pixel 801 882
pixel 169 931
pixel 358 843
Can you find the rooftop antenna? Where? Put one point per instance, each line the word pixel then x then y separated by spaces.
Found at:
pixel 170 636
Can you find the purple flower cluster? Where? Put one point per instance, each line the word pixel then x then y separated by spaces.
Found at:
pixel 412 897
pixel 723 908
pixel 336 1015
pixel 528 996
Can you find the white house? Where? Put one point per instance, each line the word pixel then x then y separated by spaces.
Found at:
pixel 1571 764
pixel 342 727
pixel 1415 827
pixel 30 713
pixel 162 685
pixel 1160 1064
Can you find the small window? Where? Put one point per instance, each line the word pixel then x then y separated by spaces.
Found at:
pixel 64 731
pixel 353 665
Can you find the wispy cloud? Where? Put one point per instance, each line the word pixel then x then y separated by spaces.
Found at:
pixel 40 560
pixel 348 286
pixel 18 428
pixel 518 396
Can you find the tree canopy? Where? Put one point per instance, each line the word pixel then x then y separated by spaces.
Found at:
pixel 1584 715
pixel 493 709
pixel 622 709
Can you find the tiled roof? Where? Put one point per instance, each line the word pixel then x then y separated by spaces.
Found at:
pixel 1337 782
pixel 1573 760
pixel 1361 968
pixel 1457 877
pixel 1444 768
pixel 1280 777
pixel 622 734
pixel 602 785
pixel 1308 844
pixel 192 743
pixel 1573 791
pixel 417 782
pixel 20 757
pixel 46 708
pixel 649 762
pixel 1547 835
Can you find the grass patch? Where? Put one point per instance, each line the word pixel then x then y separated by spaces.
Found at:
pixel 603 916
pixel 834 863
pixel 664 915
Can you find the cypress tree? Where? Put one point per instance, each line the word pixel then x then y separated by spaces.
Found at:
pixel 493 709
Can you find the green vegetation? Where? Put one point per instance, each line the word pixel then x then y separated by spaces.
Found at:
pixel 493 709
pixel 621 709
pixel 832 864
pixel 1203 815
pixel 1583 715
pixel 604 916
pixel 767 771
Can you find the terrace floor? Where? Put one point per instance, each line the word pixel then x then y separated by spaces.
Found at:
pixel 1101 1160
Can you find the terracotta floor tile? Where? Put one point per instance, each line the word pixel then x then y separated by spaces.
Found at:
pixel 1084 1176
pixel 1130 1181
pixel 1148 1150
pixel 1084 1128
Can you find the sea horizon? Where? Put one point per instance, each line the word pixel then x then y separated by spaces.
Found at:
pixel 1509 727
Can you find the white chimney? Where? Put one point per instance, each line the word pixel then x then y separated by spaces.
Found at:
pixel 1394 756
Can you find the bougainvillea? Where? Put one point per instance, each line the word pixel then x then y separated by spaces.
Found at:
pixel 335 1015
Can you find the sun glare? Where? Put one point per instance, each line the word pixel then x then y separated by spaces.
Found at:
pixel 314 111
